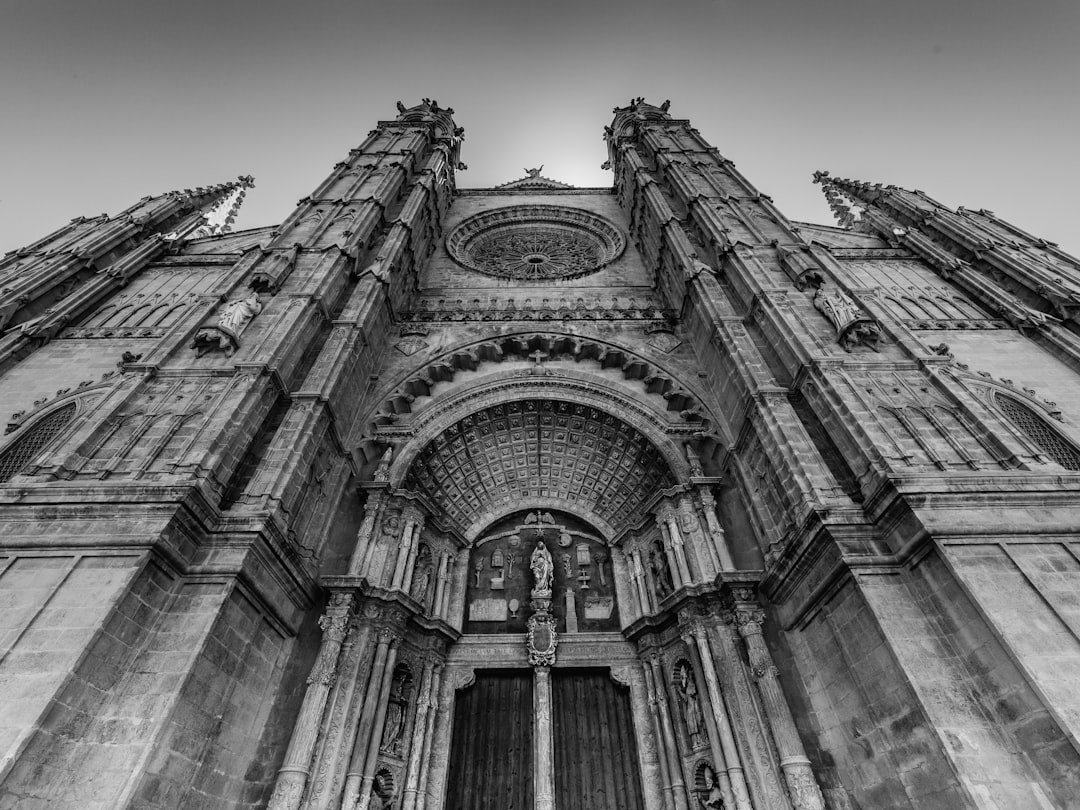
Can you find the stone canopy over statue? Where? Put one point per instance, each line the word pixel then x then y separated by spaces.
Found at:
pixel 542 568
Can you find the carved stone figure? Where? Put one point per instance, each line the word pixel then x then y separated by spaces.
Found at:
pixel 661 573
pixel 542 567
pixel 688 694
pixel 236 314
pixel 395 712
pixel 711 798
pixel 382 473
pixel 232 320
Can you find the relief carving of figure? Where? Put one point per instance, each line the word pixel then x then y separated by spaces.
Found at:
pixel 661 573
pixel 688 693
pixel 542 567
pixel 236 314
pixel 711 798
pixel 382 472
pixel 395 712
pixel 232 320
pixel 837 307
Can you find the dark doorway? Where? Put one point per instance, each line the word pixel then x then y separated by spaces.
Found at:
pixel 492 751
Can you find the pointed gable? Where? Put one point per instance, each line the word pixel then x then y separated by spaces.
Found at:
pixel 534 181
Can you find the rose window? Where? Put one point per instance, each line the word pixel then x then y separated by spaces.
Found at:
pixel 535 242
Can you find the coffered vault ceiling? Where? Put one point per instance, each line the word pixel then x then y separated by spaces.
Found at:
pixel 504 454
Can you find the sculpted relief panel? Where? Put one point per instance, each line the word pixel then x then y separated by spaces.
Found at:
pixel 575 564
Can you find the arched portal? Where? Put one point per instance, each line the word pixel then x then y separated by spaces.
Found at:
pixel 456 517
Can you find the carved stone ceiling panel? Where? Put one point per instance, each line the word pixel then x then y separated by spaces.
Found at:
pixel 540 448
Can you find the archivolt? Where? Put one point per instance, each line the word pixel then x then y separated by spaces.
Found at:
pixel 655 380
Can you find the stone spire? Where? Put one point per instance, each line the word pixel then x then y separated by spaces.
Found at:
pixel 89 257
pixel 1029 281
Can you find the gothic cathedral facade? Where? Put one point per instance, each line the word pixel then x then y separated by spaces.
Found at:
pixel 630 498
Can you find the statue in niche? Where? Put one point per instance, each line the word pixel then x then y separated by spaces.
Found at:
pixel 837 307
pixel 396 712
pixel 711 798
pixel 232 320
pixel 421 581
pixel 236 314
pixel 542 567
pixel 382 472
pixel 661 573
pixel 688 694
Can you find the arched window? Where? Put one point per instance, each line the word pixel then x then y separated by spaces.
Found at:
pixel 1039 432
pixel 17 455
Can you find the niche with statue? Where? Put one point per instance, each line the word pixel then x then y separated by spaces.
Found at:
pixel 500 575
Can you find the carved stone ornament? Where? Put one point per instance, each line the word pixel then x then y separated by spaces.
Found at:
pixel 382 472
pixel 853 326
pixel 232 321
pixel 535 242
pixel 541 640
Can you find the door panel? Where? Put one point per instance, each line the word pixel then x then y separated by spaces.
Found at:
pixel 596 762
pixel 491 754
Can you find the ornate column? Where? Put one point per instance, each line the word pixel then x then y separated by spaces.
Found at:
pixel 625 587
pixel 340 720
pixel 637 586
pixel 448 578
pixel 440 585
pixel 723 722
pixel 455 613
pixel 802 787
pixel 658 733
pixel 416 801
pixel 704 552
pixel 403 554
pixel 631 675
pixel 419 730
pixel 432 790
pixel 708 506
pixel 367 718
pixel 678 785
pixel 648 581
pixel 414 552
pixel 368 772
pixel 719 764
pixel 294 772
pixel 361 556
pixel 677 549
pixel 541 642
pixel 664 523
pixel 543 742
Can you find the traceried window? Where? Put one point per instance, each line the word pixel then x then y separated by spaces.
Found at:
pixel 535 242
pixel 1039 432
pixel 36 438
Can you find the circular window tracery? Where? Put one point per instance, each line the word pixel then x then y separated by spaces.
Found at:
pixel 535 242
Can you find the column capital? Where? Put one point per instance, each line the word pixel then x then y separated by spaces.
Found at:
pixel 749 620
pixel 334 626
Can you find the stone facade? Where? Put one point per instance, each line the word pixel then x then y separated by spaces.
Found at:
pixel 271 501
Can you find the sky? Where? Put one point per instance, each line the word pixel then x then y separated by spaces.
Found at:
pixel 972 101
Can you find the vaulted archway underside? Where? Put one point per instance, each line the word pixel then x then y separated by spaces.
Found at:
pixel 540 448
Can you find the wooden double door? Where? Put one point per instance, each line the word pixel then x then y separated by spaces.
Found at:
pixel 594 759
